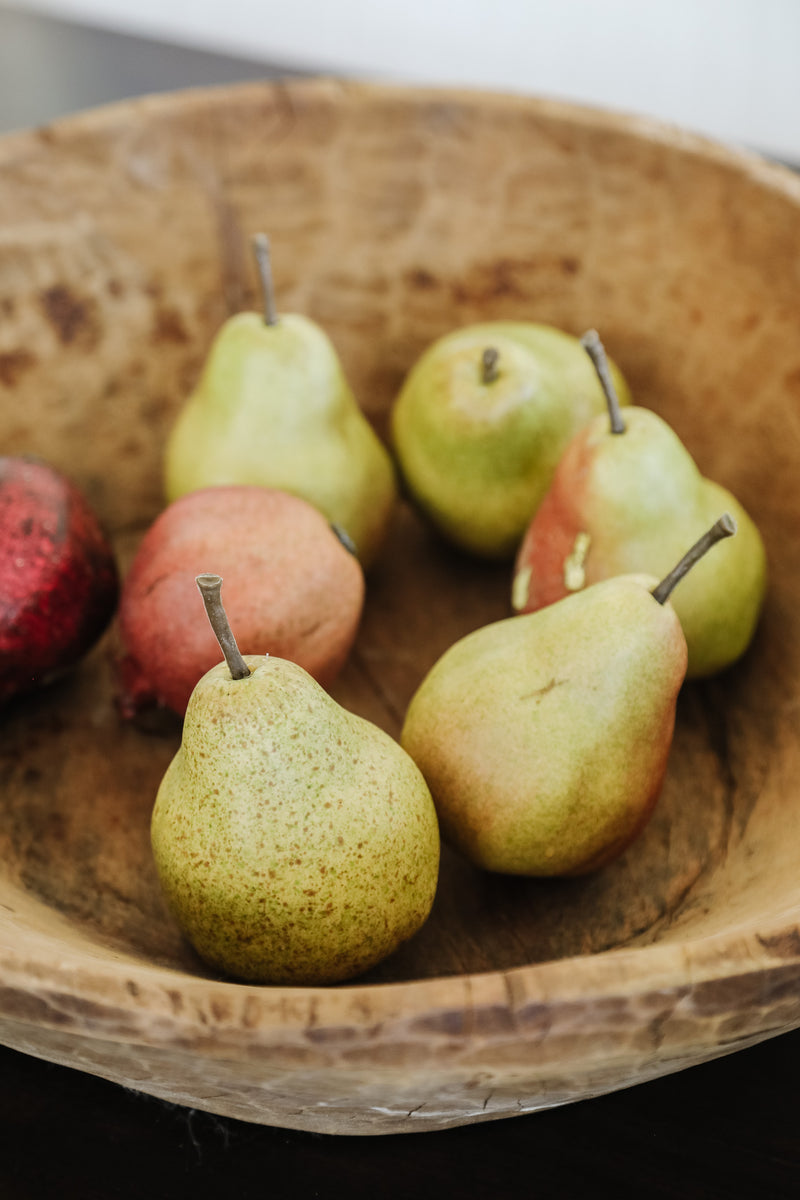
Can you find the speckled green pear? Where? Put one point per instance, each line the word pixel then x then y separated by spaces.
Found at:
pixel 544 738
pixel 295 842
pixel 273 407
pixel 478 438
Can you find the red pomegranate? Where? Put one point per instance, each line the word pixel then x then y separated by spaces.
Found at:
pixel 58 576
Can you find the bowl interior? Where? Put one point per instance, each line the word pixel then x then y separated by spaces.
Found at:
pixel 395 216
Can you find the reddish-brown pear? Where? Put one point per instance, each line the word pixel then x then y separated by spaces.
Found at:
pixel 292 587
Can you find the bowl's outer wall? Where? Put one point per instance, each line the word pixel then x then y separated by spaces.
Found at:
pixel 395 215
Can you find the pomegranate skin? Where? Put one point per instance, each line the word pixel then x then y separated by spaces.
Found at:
pixel 59 582
pixel 290 589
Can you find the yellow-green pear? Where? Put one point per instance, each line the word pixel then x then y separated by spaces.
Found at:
pixel 273 407
pixel 296 842
pixel 544 738
pixel 628 496
pixel 481 422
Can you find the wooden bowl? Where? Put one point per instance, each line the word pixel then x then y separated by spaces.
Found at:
pixel 395 215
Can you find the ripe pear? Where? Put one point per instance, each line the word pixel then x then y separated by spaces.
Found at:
pixel 273 407
pixel 291 584
pixel 481 422
pixel 296 843
pixel 544 738
pixel 627 496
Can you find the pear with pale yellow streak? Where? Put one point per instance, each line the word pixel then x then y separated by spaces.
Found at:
pixel 627 496
pixel 296 842
pixel 544 738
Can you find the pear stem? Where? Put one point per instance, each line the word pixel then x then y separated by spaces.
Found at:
pixel 260 245
pixel 210 587
pixel 724 527
pixel 344 537
pixel 594 348
pixel 489 369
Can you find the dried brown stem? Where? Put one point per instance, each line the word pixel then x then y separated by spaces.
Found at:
pixel 210 588
pixel 596 351
pixel 489 368
pixel 260 245
pixel 724 527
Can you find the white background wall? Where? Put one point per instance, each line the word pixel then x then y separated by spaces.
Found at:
pixel 728 68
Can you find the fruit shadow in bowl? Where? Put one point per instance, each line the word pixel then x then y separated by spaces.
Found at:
pixel 80 784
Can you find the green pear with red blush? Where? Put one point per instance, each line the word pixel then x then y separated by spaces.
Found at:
pixel 545 738
pixel 626 496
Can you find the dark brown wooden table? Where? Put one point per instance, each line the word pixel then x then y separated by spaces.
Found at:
pixel 725 1129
